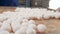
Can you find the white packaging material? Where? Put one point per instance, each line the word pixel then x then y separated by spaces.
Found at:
pixel 30 31
pixel 41 28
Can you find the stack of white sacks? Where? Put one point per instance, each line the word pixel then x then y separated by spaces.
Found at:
pixel 38 13
pixel 18 22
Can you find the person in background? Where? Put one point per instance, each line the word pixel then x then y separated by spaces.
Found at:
pixel 9 3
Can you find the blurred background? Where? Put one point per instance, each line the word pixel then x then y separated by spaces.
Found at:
pixel 52 4
pixel 34 3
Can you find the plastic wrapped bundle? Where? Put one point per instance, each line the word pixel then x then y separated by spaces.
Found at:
pixel 21 30
pixel 2 17
pixel 4 32
pixel 6 26
pixel 15 26
pixel 41 28
pixel 30 31
pixel 57 14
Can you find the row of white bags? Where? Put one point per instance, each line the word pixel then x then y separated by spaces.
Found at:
pixel 18 23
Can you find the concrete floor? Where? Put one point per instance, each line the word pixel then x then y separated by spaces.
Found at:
pixel 53 25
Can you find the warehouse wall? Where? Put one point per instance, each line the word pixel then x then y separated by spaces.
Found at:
pixel 24 3
pixel 34 3
pixel 40 3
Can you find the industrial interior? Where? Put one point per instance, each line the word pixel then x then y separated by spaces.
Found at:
pixel 29 16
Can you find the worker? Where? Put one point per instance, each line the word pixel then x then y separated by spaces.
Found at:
pixel 8 2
